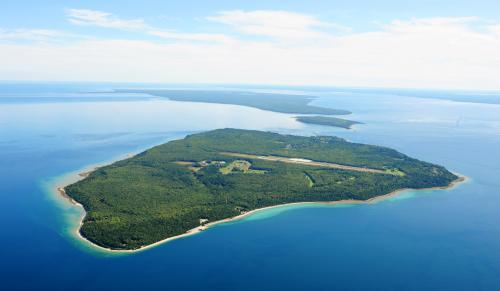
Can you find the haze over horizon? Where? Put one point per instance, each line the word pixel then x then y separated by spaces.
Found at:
pixel 445 45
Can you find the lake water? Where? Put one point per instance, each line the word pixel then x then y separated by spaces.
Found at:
pixel 438 240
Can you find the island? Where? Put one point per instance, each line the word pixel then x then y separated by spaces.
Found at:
pixel 327 121
pixel 182 186
pixel 282 103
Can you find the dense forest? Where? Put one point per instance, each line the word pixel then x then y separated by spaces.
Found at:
pixel 168 189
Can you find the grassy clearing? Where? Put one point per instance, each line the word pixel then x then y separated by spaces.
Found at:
pixel 240 166
pixel 395 172
pixel 310 180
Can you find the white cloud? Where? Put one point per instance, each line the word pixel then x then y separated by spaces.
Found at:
pixel 102 19
pixel 190 36
pixel 31 34
pixel 461 53
pixel 400 25
pixel 495 29
pixel 278 24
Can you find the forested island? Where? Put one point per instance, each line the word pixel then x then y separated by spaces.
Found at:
pixel 173 188
pixel 328 121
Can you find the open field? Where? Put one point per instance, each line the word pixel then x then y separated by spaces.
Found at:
pixel 313 163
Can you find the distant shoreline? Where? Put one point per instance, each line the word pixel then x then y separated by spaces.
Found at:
pixel 198 229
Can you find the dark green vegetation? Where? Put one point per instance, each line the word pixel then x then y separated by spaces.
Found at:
pixel 328 121
pixel 284 103
pixel 168 189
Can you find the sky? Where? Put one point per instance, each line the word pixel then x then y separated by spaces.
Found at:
pixel 359 43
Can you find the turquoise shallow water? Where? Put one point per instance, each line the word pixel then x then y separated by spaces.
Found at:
pixel 444 240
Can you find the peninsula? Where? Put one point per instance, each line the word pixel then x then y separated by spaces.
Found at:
pixel 283 103
pixel 184 184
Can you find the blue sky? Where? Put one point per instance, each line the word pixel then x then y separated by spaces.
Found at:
pixel 361 14
pixel 419 44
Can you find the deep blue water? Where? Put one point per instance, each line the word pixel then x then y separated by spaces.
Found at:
pixel 438 240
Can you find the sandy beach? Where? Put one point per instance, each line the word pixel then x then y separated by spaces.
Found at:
pixel 204 227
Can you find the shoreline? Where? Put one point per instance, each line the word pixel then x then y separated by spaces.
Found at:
pixel 201 228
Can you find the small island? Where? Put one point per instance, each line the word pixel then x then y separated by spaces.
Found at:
pixel 327 121
pixel 183 186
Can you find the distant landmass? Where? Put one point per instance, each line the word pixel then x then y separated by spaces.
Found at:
pixel 477 96
pixel 183 186
pixel 283 103
pixel 327 121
